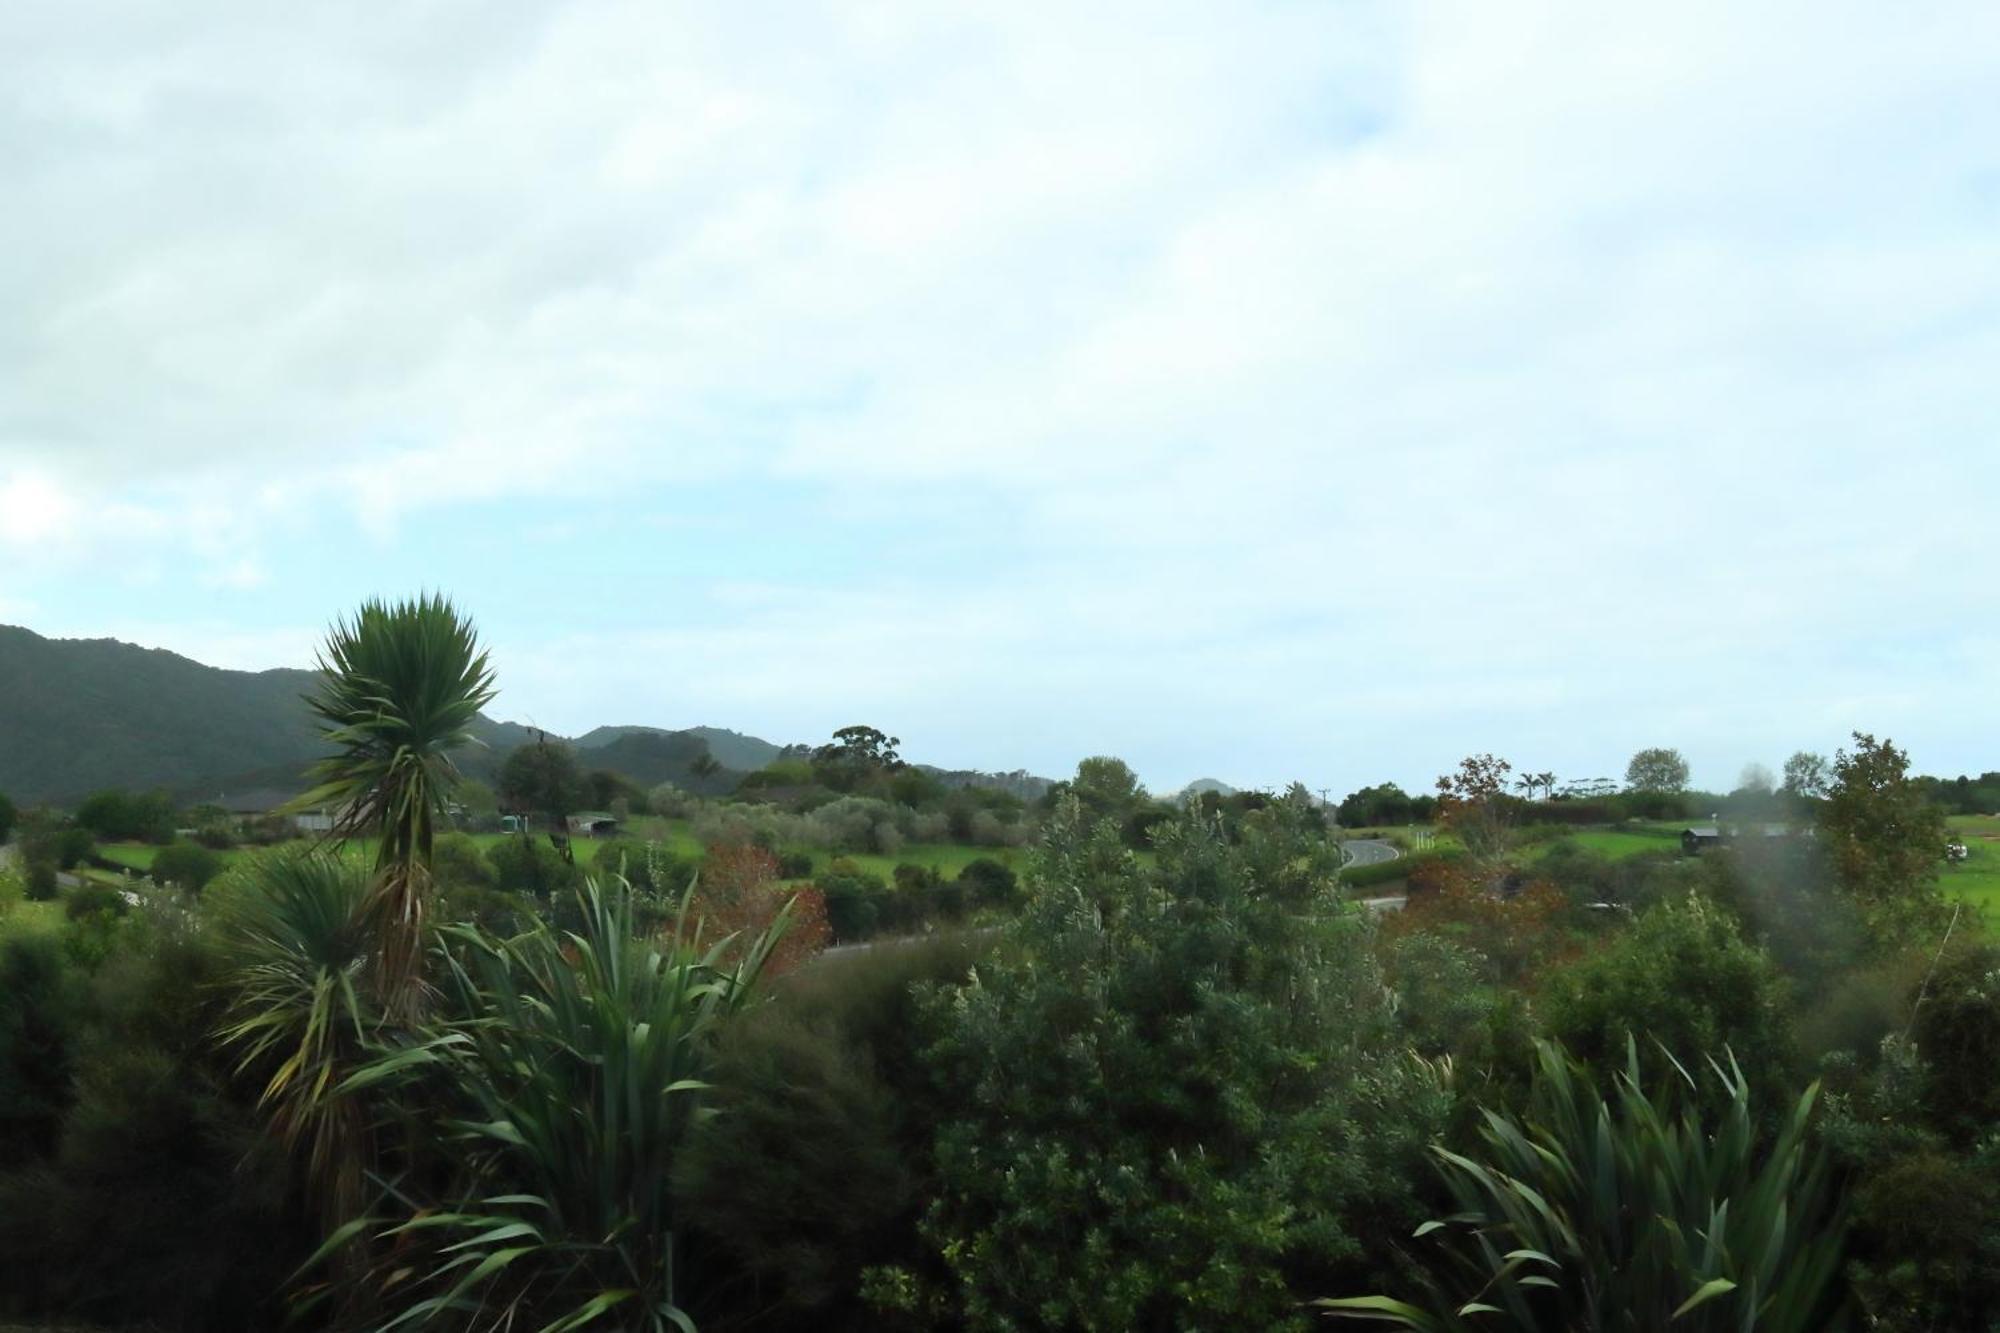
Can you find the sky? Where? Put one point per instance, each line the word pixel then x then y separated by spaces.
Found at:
pixel 1315 391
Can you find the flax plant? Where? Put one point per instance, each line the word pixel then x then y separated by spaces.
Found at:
pixel 1632 1214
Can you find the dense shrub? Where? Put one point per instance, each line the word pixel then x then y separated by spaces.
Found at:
pixel 1177 1097
pixel 989 883
pixel 531 866
pixel 817 1164
pixel 164 1206
pixel 854 899
pixel 93 900
pixel 1956 1026
pixel 1683 978
pixel 1518 927
pixel 38 881
pixel 188 866
pixel 458 863
pixel 40 1004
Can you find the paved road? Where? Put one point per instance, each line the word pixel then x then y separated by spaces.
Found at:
pixel 1370 851
pixel 1373 852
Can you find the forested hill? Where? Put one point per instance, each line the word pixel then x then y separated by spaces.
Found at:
pixel 78 715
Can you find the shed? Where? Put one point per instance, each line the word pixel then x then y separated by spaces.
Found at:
pixel 1696 840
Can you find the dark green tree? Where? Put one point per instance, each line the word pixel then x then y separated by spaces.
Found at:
pixel 1659 771
pixel 1883 838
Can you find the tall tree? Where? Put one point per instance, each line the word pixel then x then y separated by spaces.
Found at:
pixel 399 687
pixel 1883 835
pixel 1657 770
pixel 1805 776
pixel 1472 802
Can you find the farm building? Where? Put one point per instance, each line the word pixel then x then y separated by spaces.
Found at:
pixel 1699 839
pixel 257 803
pixel 594 824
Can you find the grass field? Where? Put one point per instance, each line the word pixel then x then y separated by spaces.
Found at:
pixel 1977 879
pixel 1620 843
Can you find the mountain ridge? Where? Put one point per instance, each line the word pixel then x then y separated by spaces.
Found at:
pixel 81 715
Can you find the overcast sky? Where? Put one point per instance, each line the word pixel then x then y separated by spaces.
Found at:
pixel 1303 390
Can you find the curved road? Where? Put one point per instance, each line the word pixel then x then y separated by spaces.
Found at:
pixel 1373 852
pixel 1369 851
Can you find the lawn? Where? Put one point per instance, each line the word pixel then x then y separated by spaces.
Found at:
pixel 1977 879
pixel 1620 843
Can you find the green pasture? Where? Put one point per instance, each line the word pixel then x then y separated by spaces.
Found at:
pixel 1621 843
pixel 1976 880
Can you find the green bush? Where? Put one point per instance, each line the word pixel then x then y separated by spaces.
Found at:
pixel 458 863
pixel 187 865
pixel 39 881
pixel 1685 982
pixel 163 1206
pixel 802 1177
pixel 1177 1099
pixel 1631 1212
pixel 989 883
pixel 531 866
pixel 93 900
pixel 1956 1026
pixel 40 1004
pixel 854 899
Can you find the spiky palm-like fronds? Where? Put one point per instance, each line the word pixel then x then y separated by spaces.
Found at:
pixel 298 940
pixel 400 686
pixel 567 1075
pixel 1632 1214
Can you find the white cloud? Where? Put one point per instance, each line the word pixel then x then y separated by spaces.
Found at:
pixel 1581 361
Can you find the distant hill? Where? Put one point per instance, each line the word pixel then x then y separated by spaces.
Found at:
pixel 731 749
pixel 78 715
pixel 1201 787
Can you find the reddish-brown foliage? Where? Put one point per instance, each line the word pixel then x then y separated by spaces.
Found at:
pixel 1520 931
pixel 739 894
